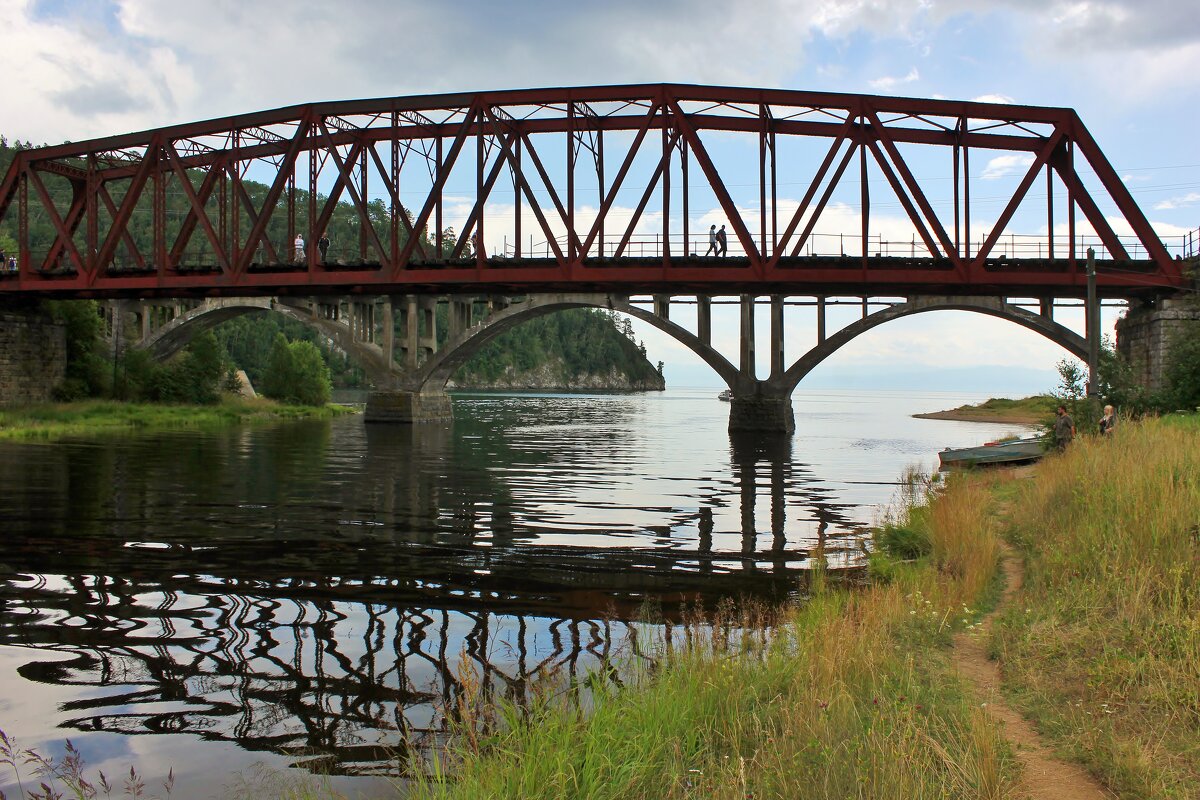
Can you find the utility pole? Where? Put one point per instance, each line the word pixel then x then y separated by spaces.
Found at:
pixel 1093 324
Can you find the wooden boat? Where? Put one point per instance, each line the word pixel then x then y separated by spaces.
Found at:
pixel 726 395
pixel 1014 451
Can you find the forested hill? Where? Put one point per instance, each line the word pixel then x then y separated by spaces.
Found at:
pixel 577 349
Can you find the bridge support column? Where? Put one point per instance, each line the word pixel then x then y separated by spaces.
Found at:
pixel 412 333
pixel 408 408
pixel 761 413
pixel 704 318
pixel 746 364
pixel 777 361
pixel 388 332
pixel 1145 336
pixel 460 316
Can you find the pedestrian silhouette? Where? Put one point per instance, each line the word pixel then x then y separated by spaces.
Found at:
pixel 712 241
pixel 722 242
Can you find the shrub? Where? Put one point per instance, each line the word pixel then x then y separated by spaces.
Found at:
pixel 296 373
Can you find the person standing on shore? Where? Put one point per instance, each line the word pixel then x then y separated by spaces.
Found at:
pixel 1108 421
pixel 1064 428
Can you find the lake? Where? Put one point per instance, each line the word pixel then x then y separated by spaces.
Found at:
pixel 310 593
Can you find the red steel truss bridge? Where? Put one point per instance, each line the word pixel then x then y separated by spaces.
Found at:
pixel 585 189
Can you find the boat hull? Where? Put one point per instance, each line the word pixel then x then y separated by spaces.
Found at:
pixel 1014 452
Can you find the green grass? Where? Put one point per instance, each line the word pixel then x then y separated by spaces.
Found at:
pixel 96 417
pixel 1102 649
pixel 1029 410
pixel 851 696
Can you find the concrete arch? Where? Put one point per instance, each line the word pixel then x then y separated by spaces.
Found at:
pixel 437 371
pixel 176 334
pixel 992 306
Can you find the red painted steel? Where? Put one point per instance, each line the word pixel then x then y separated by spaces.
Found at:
pixel 312 163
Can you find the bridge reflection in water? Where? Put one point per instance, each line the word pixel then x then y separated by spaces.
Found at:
pixel 318 590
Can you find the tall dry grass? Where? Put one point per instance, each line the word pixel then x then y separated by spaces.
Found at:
pixel 850 696
pixel 1103 647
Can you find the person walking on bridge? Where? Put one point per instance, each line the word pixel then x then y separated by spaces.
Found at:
pixel 323 246
pixel 298 256
pixel 722 242
pixel 713 248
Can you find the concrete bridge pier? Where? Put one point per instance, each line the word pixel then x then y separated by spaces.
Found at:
pixel 762 412
pixel 761 406
pixel 407 407
pixel 393 401
pixel 1146 333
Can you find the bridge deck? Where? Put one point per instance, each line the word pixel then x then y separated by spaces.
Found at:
pixel 819 275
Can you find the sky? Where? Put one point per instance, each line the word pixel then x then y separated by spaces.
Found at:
pixel 75 69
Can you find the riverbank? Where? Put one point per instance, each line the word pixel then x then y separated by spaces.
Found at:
pixel 857 693
pixel 1101 648
pixel 95 417
pixel 853 692
pixel 1026 411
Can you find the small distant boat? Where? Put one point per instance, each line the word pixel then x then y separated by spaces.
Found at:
pixel 1014 451
pixel 726 396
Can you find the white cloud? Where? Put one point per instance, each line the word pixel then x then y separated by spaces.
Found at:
pixel 1000 166
pixel 1188 199
pixel 888 82
pixel 999 99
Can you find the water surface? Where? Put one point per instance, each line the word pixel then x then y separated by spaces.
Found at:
pixel 307 593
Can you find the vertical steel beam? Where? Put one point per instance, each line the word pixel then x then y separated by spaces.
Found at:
pixel 1049 211
pixel 762 180
pixel 93 212
pixel 600 181
pixel 364 193
pixel 774 198
pixel 1093 325
pixel 572 252
pixel 957 214
pixel 160 214
pixel 437 214
pixel 23 222
pixel 865 200
pixel 313 234
pixel 516 170
pixel 966 156
pixel 395 204
pixel 1070 168
pixel 820 320
pixel 668 148
pixel 683 167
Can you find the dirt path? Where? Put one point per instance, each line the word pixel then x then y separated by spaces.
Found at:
pixel 1045 777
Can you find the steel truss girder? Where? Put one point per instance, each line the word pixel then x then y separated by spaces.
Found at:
pixel 506 126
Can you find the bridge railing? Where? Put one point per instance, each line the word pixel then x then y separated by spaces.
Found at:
pixel 645 246
pixel 827 245
pixel 1191 244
